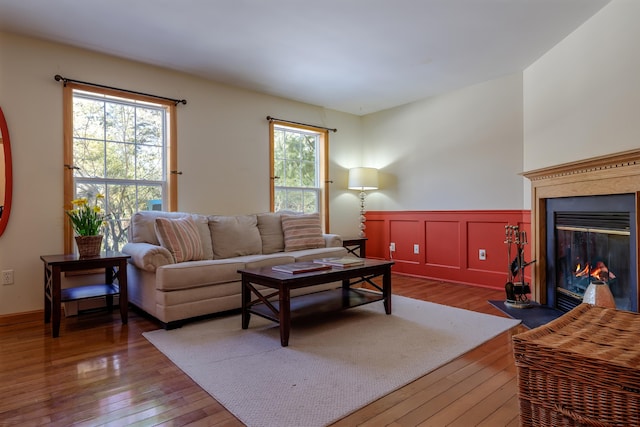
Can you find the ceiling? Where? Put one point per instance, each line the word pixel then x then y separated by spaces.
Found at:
pixel 356 56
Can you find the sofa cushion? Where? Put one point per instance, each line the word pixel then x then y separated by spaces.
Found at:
pixel 258 261
pixel 180 236
pixel 270 227
pixel 302 232
pixel 233 236
pixel 312 254
pixel 143 228
pixel 195 274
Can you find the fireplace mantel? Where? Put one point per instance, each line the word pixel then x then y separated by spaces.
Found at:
pixel 617 173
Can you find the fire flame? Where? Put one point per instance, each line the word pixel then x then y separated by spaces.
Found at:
pixel 600 272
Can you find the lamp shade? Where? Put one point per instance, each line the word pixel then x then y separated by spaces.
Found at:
pixel 363 179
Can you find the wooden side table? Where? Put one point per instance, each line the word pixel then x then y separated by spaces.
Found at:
pixel 354 244
pixel 115 266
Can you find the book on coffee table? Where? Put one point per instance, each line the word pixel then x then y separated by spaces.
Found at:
pixel 340 262
pixel 300 267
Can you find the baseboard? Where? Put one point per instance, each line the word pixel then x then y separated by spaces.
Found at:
pixel 25 317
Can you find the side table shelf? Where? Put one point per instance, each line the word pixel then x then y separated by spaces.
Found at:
pixel 91 291
pixel 115 267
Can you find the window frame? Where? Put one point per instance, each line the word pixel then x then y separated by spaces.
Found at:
pixel 323 166
pixel 68 179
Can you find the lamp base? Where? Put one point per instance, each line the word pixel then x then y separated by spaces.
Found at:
pixel 363 218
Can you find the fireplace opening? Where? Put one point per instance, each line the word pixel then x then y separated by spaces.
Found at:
pixel 589 239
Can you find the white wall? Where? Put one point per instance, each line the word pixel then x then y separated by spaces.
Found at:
pixel 222 134
pixel 582 98
pixel 461 150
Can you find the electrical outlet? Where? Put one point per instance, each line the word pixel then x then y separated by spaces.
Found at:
pixel 392 247
pixel 416 249
pixel 7 277
pixel 482 254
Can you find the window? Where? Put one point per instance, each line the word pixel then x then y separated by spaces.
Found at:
pixel 118 145
pixel 299 169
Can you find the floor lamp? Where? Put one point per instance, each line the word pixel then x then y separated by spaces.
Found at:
pixel 363 179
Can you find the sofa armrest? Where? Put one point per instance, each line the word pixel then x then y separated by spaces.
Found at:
pixel 332 240
pixel 148 257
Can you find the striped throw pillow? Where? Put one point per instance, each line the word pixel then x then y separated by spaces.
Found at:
pixel 180 236
pixel 302 232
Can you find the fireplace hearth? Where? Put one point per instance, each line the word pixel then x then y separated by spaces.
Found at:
pixel 588 239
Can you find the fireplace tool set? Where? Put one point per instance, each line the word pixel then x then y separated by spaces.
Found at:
pixel 516 291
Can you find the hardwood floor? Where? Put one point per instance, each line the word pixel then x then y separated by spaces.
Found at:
pixel 99 372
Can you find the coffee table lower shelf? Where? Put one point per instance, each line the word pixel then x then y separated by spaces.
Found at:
pixel 320 302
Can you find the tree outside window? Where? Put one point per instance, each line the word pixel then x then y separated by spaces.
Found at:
pixel 298 169
pixel 119 148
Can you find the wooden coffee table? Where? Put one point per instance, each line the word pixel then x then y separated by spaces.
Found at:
pixel 286 307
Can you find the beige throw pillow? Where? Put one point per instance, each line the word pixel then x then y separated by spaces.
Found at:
pixel 302 232
pixel 180 236
pixel 233 236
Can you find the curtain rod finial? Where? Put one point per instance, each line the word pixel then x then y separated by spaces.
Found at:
pixel 58 78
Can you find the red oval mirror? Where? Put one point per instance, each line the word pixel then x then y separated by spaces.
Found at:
pixel 6 175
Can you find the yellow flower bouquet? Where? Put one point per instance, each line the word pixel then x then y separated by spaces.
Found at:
pixel 86 220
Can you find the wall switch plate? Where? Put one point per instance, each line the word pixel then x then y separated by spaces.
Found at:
pixel 482 254
pixel 7 277
pixel 416 249
pixel 392 247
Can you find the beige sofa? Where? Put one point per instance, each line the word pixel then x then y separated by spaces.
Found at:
pixel 184 266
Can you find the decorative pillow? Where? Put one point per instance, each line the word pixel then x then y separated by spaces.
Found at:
pixel 143 225
pixel 233 236
pixel 302 232
pixel 270 226
pixel 180 236
pixel 143 228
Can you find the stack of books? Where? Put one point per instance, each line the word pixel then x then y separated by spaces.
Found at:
pixel 300 267
pixel 340 262
pixel 318 264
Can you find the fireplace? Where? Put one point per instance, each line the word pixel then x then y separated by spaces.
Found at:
pixel 589 239
pixel 616 175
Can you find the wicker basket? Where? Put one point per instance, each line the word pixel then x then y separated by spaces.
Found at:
pixel 582 369
pixel 89 246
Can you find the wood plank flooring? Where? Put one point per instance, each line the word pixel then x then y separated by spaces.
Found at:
pixel 99 372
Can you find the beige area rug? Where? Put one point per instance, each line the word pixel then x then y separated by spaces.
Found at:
pixel 332 367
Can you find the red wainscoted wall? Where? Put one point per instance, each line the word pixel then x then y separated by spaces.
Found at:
pixel 448 243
